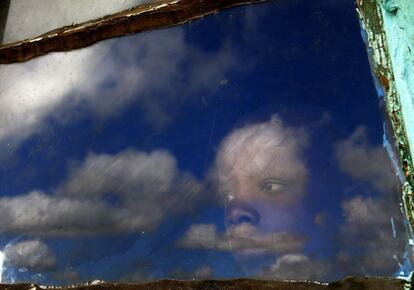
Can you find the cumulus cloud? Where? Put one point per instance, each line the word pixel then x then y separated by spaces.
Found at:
pixel 101 80
pixel 106 194
pixel 21 25
pixel 297 267
pixel 206 236
pixel 33 255
pixel 264 149
pixel 365 162
pixel 96 79
pixel 30 91
pixel 372 237
pixel 129 172
pixel 292 264
pixel 240 147
pixel 37 213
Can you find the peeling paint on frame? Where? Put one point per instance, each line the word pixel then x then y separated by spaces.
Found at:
pixel 372 19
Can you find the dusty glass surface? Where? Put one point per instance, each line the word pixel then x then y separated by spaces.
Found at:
pixel 247 144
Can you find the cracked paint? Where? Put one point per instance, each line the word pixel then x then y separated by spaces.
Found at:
pixel 390 35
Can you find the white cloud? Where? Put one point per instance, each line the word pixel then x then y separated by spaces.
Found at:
pixel 46 15
pixel 239 149
pixel 37 213
pixel 206 236
pixel 297 267
pixel 103 79
pixel 270 148
pixel 34 255
pixel 32 90
pixel 364 211
pixel 365 162
pixel 106 194
pixel 1 265
pixel 129 173
pixel 372 237
pixel 100 79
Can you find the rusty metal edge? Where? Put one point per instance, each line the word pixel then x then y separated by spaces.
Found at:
pixel 374 283
pixel 149 16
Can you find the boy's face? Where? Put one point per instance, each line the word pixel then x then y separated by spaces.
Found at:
pixel 262 176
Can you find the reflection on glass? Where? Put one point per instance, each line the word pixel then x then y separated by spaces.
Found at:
pixel 262 174
pixel 247 144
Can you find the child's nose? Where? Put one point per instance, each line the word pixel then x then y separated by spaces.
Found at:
pixel 241 213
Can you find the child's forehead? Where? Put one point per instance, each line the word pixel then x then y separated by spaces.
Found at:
pixel 249 162
pixel 251 144
pixel 256 150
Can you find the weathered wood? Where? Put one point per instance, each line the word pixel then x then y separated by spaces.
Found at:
pixel 155 15
pixel 350 283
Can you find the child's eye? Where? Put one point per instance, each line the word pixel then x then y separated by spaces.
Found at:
pixel 271 185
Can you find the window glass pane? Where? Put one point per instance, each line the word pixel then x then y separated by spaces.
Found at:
pixel 249 143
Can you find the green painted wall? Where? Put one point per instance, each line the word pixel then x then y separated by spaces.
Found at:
pixel 398 17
